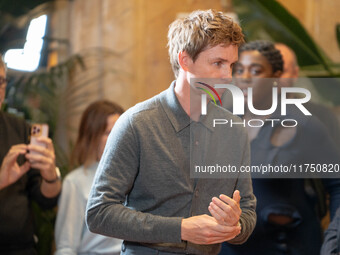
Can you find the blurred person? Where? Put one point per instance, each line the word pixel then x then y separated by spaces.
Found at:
pixel 287 222
pixel 290 75
pixel 23 177
pixel 142 191
pixel 290 72
pixel 71 233
pixel 331 243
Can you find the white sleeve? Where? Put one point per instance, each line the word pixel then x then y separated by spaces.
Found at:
pixel 70 219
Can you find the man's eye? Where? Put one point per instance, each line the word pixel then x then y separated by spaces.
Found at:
pixel 218 64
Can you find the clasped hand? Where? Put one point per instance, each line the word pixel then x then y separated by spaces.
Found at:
pixel 222 226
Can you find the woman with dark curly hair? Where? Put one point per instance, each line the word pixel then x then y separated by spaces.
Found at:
pixel 287 222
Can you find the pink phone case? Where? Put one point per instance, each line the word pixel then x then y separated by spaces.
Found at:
pixel 38 130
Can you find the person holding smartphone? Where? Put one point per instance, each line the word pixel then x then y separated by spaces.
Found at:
pixel 28 172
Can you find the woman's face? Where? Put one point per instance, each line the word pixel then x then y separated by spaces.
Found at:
pixel 110 122
pixel 254 70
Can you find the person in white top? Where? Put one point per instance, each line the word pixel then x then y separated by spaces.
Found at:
pixel 71 233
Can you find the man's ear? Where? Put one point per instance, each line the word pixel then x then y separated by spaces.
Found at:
pixel 184 60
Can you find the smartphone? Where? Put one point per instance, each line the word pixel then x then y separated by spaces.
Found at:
pixel 38 130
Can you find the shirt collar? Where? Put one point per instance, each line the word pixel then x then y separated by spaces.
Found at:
pixel 178 117
pixel 173 109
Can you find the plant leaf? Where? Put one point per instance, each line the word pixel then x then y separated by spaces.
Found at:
pixel 337 28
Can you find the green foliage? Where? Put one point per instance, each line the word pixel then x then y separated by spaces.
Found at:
pixel 338 34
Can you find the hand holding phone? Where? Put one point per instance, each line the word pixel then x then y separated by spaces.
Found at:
pixel 41 156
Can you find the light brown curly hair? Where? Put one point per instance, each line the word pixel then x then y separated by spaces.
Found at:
pixel 200 30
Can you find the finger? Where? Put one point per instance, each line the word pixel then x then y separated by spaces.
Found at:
pixel 40 166
pixel 25 167
pixel 224 238
pixel 41 154
pixel 11 158
pixel 231 229
pixel 231 202
pixel 237 196
pixel 47 141
pixel 18 150
pixel 41 161
pixel 229 212
pixel 232 235
pixel 38 149
pixel 215 214
pixel 34 157
pixel 219 240
pixel 224 229
pixel 225 207
pixel 219 235
pixel 19 147
pixel 229 217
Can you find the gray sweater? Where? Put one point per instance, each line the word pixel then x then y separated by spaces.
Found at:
pixel 142 189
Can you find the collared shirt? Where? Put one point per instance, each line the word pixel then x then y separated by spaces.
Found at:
pixel 142 189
